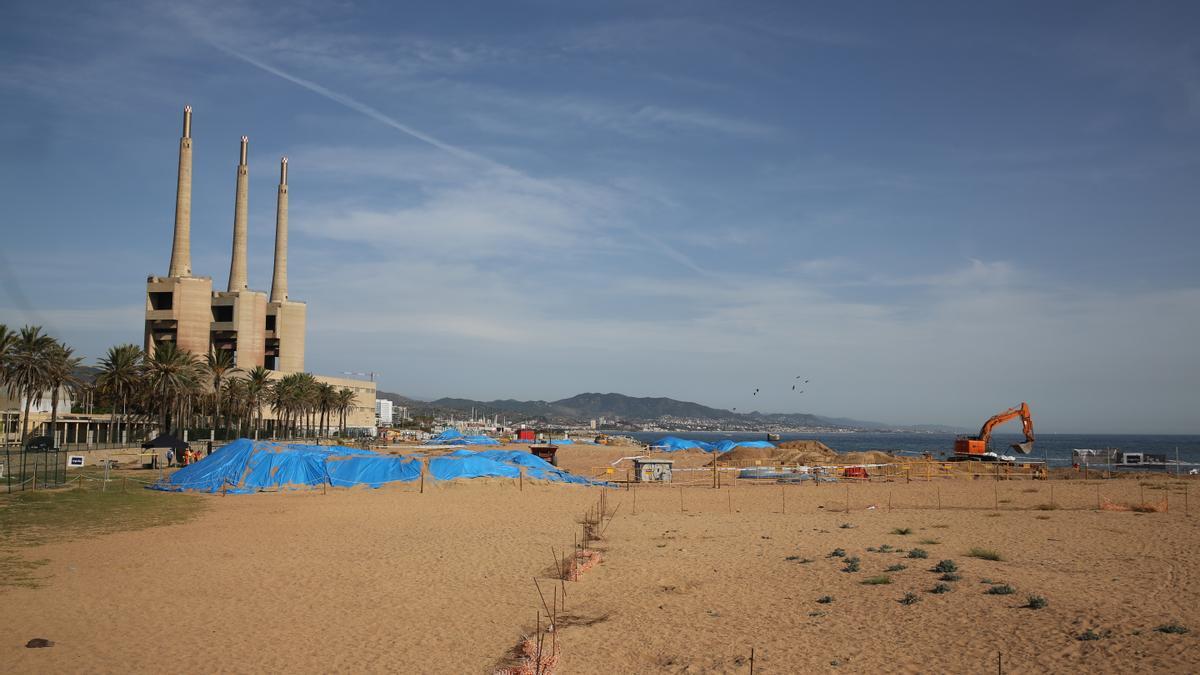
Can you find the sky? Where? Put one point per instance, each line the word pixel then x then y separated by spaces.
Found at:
pixel 931 211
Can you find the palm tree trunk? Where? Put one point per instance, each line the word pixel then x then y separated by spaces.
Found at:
pixel 54 419
pixel 25 424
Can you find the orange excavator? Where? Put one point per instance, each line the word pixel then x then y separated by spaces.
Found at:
pixel 970 447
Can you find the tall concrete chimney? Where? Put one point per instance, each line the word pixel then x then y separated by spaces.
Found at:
pixel 181 245
pixel 279 290
pixel 237 265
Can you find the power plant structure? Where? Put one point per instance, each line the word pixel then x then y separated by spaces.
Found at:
pixel 184 309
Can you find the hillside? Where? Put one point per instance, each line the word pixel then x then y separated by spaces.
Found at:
pixel 582 408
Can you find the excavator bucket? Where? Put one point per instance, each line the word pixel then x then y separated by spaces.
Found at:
pixel 1023 448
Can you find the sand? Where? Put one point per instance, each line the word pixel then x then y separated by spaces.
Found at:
pixel 441 582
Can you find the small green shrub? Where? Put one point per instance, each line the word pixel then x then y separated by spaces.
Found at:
pixel 896 568
pixel 846 526
pixel 929 542
pixel 1035 602
pixel 918 553
pixel 902 530
pixel 910 598
pixel 984 554
pixel 1089 635
pixel 825 599
pixel 946 566
pixel 838 553
pixel 1173 628
pixel 851 565
pixel 950 576
pixel 877 581
pixel 1001 589
pixel 1046 507
pixel 939 589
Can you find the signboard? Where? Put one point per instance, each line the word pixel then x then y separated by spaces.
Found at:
pixel 75 460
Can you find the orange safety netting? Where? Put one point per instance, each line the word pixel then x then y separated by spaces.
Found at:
pixel 533 660
pixel 584 561
pixel 1159 507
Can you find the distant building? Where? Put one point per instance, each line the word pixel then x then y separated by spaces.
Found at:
pixel 383 412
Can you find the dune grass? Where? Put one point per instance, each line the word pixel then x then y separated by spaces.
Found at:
pixel 984 554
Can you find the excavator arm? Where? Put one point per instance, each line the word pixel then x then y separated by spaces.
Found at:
pixel 974 445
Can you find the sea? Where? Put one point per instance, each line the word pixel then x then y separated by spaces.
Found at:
pixel 1054 449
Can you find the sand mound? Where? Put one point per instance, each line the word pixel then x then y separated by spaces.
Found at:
pixel 805 452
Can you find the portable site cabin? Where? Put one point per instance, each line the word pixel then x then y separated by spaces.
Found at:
pixel 646 470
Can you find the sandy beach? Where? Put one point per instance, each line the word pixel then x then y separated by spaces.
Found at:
pixel 691 581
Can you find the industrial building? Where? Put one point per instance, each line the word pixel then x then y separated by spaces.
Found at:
pixel 257 329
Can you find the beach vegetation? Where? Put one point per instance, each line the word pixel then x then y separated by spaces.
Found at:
pixel 918 553
pixel 1035 602
pixel 902 530
pixel 910 598
pixel 898 567
pixel 946 566
pixel 984 554
pixel 1172 628
pixel 825 599
pixel 877 580
pixel 939 589
pixel 1000 589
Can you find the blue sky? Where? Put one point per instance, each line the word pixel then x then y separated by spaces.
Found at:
pixel 932 212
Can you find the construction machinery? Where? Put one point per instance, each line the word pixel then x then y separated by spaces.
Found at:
pixel 972 447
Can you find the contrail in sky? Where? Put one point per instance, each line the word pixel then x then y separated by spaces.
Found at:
pixel 382 118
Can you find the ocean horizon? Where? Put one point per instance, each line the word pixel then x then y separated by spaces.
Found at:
pixel 1055 449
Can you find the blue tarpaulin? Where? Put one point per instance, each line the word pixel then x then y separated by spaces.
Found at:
pixel 675 444
pixel 504 463
pixel 246 466
pixel 452 436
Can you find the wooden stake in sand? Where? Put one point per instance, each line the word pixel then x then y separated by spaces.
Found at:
pixel 752 661
pixel 681 500
pixel 783 498
pixel 521 480
pixel 422 476
pixel 847 498
pixel 730 500
pixel 939 496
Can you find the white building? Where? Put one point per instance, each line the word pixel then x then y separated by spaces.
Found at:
pixel 383 412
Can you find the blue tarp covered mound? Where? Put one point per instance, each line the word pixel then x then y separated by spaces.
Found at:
pixel 502 463
pixel 675 444
pixel 453 436
pixel 245 466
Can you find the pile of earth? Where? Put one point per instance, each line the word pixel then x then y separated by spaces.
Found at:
pixel 805 452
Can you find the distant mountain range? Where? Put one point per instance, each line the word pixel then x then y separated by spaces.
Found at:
pixel 630 410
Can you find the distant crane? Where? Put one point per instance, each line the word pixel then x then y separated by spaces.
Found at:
pixel 370 375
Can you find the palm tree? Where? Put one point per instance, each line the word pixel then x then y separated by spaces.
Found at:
pixel 258 382
pixel 234 394
pixel 172 377
pixel 220 365
pixel 120 375
pixel 326 399
pixel 60 375
pixel 345 401
pixel 7 339
pixel 27 370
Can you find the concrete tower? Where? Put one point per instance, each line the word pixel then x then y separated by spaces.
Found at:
pixel 181 245
pixel 239 315
pixel 279 291
pixel 286 319
pixel 177 305
pixel 237 263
